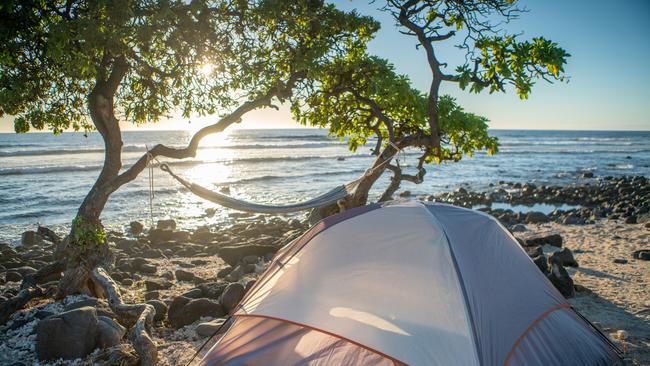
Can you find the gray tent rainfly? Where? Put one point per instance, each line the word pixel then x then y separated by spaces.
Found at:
pixel 407 283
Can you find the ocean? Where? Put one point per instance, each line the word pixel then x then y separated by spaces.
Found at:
pixel 43 178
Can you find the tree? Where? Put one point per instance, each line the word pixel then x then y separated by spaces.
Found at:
pixel 88 65
pixel 364 97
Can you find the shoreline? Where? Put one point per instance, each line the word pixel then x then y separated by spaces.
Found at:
pixel 194 275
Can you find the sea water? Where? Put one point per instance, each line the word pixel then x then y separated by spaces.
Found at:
pixel 43 178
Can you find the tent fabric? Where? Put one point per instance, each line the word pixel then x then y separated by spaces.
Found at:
pixel 407 283
pixel 495 293
pixel 549 343
pixel 401 290
pixel 261 342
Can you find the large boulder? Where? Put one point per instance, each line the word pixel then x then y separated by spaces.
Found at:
pixel 231 296
pixel 31 238
pixel 208 329
pixel 232 254
pixel 69 335
pixel 184 311
pixel 552 239
pixel 136 228
pixel 560 278
pixel 161 309
pixel 182 275
pixel 565 257
pixel 110 332
pixel 535 217
pixel 160 235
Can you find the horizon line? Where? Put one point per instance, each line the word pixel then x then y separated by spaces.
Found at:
pixel 317 128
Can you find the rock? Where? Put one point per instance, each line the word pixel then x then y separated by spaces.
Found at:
pixel 534 251
pixel 48 234
pixel 519 228
pixel 405 194
pixel 232 254
pixel 560 278
pixel 565 257
pixel 210 328
pixel 572 219
pixel 157 236
pixel 136 228
pixel 148 268
pixel 250 259
pixel 69 335
pixel 110 332
pixel 224 272
pixel 209 212
pixel 620 261
pixel 101 307
pixel 581 288
pixel 553 240
pixel 193 310
pixel 166 224
pixel 231 296
pixel 630 219
pixel 535 217
pixel 31 238
pixel 643 254
pixel 212 290
pixel 182 275
pixel 194 293
pixel 644 218
pixel 12 276
pixel 25 270
pixel 156 285
pixel 588 175
pixel 161 309
pixel 152 295
pixel 541 263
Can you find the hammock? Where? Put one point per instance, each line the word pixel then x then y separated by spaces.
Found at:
pixel 330 197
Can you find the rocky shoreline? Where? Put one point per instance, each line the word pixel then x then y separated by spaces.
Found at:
pixel 193 278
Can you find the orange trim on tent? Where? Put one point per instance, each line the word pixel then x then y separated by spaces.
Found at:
pixel 398 362
pixel 531 327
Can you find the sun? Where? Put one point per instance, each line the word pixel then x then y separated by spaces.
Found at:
pixel 206 69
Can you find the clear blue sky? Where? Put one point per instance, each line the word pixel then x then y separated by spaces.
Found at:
pixel 609 87
pixel 609 43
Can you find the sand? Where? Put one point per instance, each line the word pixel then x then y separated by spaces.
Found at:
pixel 618 296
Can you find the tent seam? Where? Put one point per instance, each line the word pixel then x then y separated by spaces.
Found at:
pixel 462 286
pixel 532 326
pixel 399 362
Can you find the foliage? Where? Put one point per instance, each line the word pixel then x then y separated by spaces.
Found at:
pixel 503 60
pixel 361 97
pixel 202 57
pixel 86 234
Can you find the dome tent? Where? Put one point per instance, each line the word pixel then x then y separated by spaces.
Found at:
pixel 407 283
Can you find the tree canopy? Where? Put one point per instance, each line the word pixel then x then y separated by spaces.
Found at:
pixel 202 57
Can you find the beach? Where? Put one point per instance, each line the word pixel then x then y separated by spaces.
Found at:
pixel 193 276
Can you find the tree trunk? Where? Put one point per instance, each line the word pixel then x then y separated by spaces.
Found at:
pixel 85 247
pixel 360 195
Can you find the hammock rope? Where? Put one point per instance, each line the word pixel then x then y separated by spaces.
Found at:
pixel 325 199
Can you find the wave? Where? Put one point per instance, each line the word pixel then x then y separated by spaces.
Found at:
pixel 253 160
pixel 568 151
pixel 141 148
pixel 570 143
pixel 129 148
pixel 49 169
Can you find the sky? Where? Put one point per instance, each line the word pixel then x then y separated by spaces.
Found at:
pixel 608 89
